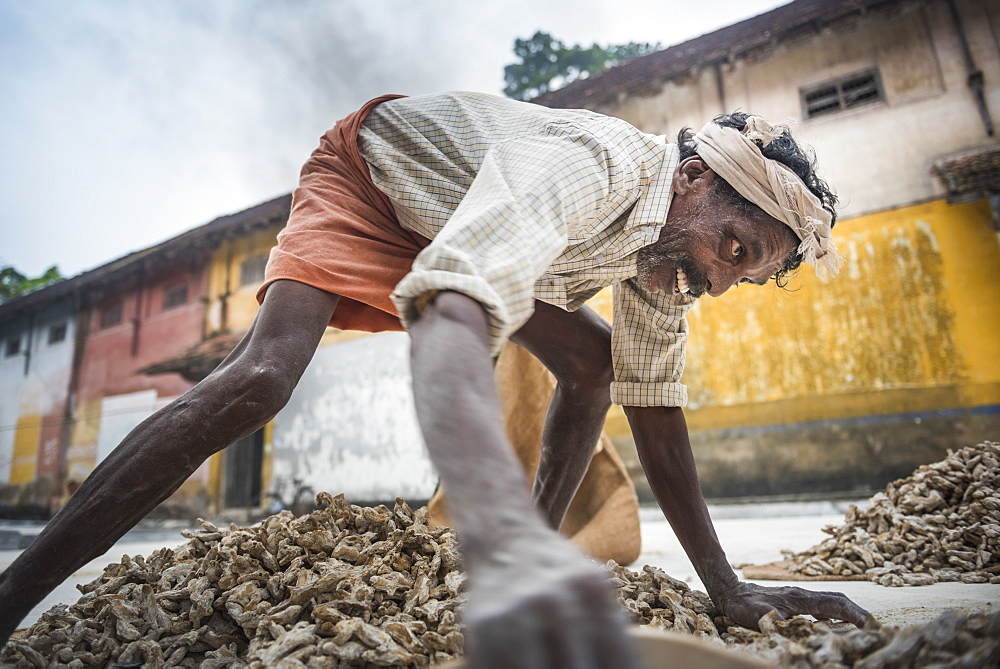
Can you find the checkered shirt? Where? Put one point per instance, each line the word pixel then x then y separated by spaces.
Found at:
pixel 523 202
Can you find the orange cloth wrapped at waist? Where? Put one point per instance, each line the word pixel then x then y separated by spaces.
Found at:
pixel 342 234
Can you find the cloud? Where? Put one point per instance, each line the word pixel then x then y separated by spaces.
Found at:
pixel 126 123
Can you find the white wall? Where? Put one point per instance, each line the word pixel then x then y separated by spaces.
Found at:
pixel 350 425
pixel 877 156
pixel 40 392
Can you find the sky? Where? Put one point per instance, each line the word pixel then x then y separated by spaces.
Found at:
pixel 124 123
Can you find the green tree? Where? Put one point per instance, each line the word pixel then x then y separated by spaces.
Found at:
pixel 14 284
pixel 547 63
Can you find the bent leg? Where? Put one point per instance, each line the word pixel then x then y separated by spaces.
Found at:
pixel 576 348
pixel 250 386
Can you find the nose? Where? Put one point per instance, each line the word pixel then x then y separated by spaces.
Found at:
pixel 717 289
pixel 722 281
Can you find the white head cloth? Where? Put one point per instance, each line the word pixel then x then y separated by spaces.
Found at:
pixel 772 186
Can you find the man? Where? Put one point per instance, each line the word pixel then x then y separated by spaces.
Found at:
pixel 492 220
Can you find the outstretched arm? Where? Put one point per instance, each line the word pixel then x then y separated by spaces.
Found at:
pixel 661 438
pixel 534 600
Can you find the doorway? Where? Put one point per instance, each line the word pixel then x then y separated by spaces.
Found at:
pixel 244 460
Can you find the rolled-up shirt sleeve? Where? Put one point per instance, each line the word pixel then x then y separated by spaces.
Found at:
pixel 649 335
pixel 527 198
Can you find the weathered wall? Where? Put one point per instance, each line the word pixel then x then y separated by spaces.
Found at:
pixel 232 302
pixel 879 155
pixel 847 384
pixel 112 395
pixel 33 394
pixel 351 427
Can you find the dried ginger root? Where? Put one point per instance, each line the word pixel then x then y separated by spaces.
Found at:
pixel 941 523
pixel 347 586
pixel 954 639
pixel 341 586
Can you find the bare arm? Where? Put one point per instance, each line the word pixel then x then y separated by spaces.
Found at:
pixel 665 452
pixel 534 600
pixel 576 348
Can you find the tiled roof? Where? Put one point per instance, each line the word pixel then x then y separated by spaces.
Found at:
pixel 195 362
pixel 272 211
pixel 789 22
pixel 975 171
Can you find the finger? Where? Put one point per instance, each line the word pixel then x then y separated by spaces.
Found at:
pixel 832 605
pixel 849 611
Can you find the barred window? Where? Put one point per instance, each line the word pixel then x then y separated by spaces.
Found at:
pixel 252 270
pixel 57 333
pixel 175 296
pixel 111 315
pixel 848 92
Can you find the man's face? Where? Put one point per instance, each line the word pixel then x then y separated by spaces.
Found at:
pixel 709 244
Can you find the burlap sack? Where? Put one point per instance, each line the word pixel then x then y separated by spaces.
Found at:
pixel 780 571
pixel 603 519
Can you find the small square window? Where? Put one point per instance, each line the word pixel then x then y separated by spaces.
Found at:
pixel 111 315
pixel 252 270
pixel 57 333
pixel 175 297
pixel 12 347
pixel 845 93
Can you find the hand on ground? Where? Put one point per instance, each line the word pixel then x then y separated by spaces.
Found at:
pixel 745 603
pixel 539 603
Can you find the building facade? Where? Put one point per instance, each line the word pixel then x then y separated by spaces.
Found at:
pixel 77 367
pixel 36 354
pixel 831 386
pixel 84 361
pixel 848 383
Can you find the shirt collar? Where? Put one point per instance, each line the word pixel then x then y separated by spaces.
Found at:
pixel 651 207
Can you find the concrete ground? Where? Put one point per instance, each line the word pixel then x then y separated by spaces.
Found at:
pixel 757 533
pixel 750 533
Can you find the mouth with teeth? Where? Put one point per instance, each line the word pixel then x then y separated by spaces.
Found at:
pixel 681 286
pixel 688 281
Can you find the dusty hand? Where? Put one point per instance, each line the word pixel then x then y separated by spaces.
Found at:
pixel 745 603
pixel 539 603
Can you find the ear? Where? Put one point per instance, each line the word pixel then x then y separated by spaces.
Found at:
pixel 691 173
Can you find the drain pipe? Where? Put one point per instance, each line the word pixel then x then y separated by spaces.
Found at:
pixel 975 75
pixel 720 88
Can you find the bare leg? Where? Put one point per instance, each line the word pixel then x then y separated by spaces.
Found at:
pixel 243 393
pixel 576 348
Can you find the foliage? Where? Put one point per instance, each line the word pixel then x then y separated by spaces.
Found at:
pixel 547 64
pixel 14 284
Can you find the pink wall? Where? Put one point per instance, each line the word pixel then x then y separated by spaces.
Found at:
pixel 148 333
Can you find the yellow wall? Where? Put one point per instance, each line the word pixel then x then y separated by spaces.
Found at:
pixel 910 324
pixel 241 308
pixel 81 452
pixel 224 281
pixel 26 436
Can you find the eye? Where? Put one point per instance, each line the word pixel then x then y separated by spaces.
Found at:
pixel 737 249
pixel 744 280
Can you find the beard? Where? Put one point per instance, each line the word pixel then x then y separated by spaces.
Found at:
pixel 670 251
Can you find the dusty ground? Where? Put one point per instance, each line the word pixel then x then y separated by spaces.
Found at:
pixel 750 533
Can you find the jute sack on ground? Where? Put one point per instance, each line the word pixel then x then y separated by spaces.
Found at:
pixel 781 571
pixel 603 520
